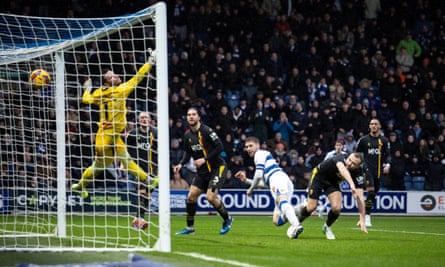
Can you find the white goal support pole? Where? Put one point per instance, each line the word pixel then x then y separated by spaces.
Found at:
pixel 60 139
pixel 48 134
pixel 164 243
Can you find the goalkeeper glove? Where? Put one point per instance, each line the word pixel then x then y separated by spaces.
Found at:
pixel 87 85
pixel 152 57
pixel 153 182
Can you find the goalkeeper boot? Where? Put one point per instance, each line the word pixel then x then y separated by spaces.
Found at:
pixel 328 232
pixel 186 231
pixel 79 190
pixel 226 226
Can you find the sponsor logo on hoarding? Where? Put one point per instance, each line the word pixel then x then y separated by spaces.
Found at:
pixel 428 202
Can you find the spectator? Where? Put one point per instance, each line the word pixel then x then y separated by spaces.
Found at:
pixel 432 148
pixel 412 46
pixel 232 85
pixel 415 174
pixel 410 146
pixel 216 103
pixel 177 129
pixel 404 60
pixel 261 119
pixel 204 88
pixel 277 139
pixel 360 120
pixel 395 144
pixel 302 145
pixel 229 147
pixel 397 172
pixel 385 114
pixel 223 122
pixel 280 152
pixel 248 90
pixel 284 127
pixel 402 122
pixel 343 120
pixel 179 18
pixel 317 158
pixel 391 91
pixel 350 143
pixel 298 171
pixel 328 126
pixel 434 174
pixel 338 149
pixel 372 9
pixel 428 124
pixel 298 118
pixel 239 121
pixel 178 183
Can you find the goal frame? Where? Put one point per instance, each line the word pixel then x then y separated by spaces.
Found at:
pixel 163 242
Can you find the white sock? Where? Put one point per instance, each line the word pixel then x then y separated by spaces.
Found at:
pixel 289 212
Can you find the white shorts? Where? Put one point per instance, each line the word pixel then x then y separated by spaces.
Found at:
pixel 281 185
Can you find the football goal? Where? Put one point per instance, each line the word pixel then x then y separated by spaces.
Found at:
pixel 48 133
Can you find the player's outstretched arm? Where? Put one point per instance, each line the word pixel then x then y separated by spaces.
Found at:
pixel 361 209
pixel 87 97
pixel 242 176
pixel 146 68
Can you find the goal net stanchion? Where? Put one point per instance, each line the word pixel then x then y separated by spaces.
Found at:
pixel 47 134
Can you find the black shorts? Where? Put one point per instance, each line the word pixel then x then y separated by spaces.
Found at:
pixel 319 184
pixel 372 181
pixel 213 180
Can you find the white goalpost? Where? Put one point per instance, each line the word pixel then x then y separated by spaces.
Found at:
pixel 47 134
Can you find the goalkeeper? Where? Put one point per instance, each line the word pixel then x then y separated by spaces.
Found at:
pixel 111 99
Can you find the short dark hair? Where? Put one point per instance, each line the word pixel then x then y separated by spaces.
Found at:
pixel 253 139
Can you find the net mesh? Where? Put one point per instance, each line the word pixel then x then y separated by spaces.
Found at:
pixel 30 135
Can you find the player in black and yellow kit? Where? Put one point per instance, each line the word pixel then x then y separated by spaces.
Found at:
pixel 111 99
pixel 203 145
pixel 326 177
pixel 375 149
pixel 142 146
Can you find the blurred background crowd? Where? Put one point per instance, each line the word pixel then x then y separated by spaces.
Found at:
pixel 300 75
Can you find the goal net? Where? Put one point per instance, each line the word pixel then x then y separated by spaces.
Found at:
pixel 48 133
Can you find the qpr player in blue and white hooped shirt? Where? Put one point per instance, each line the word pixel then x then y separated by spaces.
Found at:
pixel 268 172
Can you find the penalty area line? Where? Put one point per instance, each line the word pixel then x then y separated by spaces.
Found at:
pixel 207 258
pixel 404 232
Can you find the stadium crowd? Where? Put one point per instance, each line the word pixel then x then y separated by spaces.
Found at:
pixel 299 75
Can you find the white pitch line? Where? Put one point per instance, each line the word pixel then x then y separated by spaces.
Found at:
pixel 405 232
pixel 207 258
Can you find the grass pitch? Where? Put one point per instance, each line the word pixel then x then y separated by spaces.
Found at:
pixel 255 241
